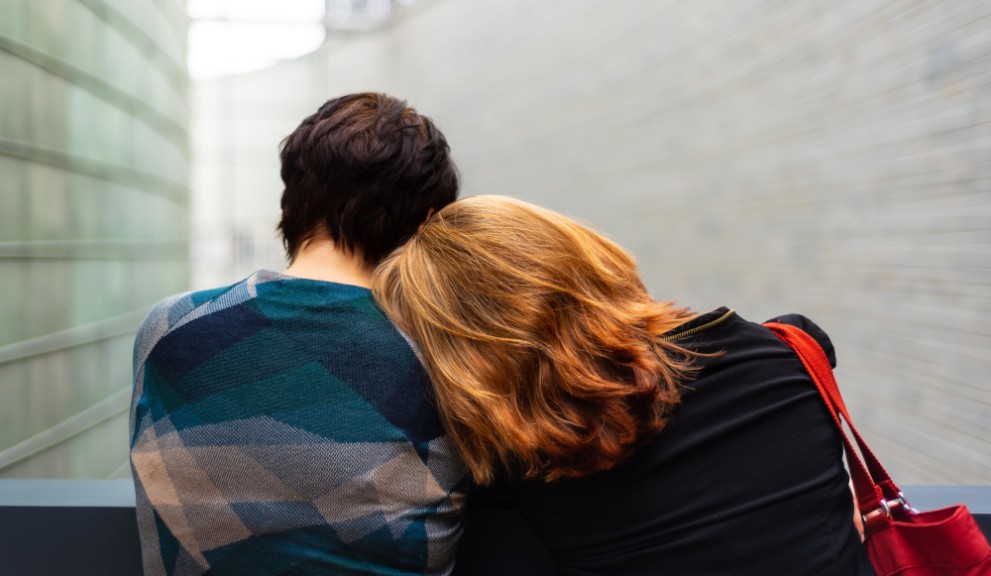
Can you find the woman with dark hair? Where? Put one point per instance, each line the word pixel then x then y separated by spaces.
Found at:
pixel 635 436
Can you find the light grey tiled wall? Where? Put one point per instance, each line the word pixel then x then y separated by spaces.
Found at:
pixel 93 219
pixel 825 157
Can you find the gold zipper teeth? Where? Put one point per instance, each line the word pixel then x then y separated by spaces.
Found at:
pixel 698 329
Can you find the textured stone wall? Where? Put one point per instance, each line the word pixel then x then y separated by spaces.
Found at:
pixel 93 219
pixel 825 157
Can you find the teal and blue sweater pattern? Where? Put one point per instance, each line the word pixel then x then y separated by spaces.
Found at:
pixel 284 426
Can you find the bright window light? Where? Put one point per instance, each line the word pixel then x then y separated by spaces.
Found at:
pixel 298 11
pixel 239 36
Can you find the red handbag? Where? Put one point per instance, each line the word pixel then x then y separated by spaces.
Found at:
pixel 899 540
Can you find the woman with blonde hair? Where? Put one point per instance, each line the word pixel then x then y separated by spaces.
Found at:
pixel 635 436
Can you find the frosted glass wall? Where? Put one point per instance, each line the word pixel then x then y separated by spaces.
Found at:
pixel 93 219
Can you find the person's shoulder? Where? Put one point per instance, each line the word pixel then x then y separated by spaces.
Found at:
pixel 163 315
pixel 172 312
pixel 812 329
pixel 378 331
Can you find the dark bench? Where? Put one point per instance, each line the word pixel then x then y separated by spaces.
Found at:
pixel 88 528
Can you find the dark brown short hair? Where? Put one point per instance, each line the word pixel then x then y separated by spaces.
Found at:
pixel 366 170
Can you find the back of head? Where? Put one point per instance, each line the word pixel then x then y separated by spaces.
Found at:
pixel 365 170
pixel 538 335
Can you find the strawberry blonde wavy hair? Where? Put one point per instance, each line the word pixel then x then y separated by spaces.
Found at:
pixel 539 336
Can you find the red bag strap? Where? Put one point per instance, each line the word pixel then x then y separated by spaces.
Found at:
pixel 876 492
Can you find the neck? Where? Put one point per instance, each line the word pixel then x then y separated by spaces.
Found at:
pixel 322 259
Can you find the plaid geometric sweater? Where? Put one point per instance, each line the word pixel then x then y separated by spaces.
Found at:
pixel 284 426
